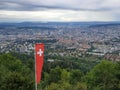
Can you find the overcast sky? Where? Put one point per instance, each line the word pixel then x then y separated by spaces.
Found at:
pixel 59 10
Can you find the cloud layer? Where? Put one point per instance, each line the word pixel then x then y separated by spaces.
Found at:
pixel 26 5
pixel 60 10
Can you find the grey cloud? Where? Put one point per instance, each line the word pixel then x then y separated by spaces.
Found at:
pixel 86 5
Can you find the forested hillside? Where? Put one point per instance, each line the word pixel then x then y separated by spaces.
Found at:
pixel 17 73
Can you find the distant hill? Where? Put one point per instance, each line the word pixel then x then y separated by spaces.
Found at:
pixel 32 24
pixel 105 25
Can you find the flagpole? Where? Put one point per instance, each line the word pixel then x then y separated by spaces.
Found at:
pixel 35 68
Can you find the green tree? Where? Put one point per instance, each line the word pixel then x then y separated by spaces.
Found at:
pixel 16 81
pixel 65 76
pixel 102 77
pixel 76 76
pixel 55 75
pixel 15 75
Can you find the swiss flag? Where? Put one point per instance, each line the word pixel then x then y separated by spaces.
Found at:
pixel 39 54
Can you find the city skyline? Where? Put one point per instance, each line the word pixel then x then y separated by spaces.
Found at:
pixel 62 11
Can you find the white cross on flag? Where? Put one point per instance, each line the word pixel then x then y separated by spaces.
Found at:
pixel 40 52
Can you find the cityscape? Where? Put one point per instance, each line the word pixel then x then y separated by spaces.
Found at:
pixel 75 39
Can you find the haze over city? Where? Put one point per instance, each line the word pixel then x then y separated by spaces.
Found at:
pixel 59 10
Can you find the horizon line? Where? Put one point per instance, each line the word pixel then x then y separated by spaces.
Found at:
pixel 54 21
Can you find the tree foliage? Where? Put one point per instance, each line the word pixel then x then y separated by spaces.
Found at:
pixel 103 77
pixel 68 73
pixel 14 75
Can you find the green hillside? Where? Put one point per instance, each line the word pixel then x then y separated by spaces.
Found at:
pixel 17 73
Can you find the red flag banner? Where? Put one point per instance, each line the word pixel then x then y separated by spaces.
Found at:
pixel 39 54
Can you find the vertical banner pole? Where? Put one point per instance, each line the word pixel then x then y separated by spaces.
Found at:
pixel 35 68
